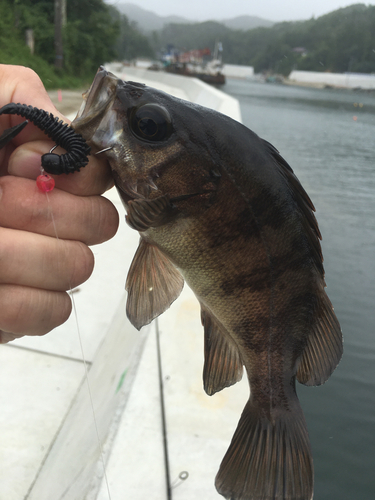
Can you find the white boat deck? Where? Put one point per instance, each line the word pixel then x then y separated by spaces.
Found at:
pixel 49 447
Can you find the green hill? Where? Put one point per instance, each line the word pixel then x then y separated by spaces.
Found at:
pixel 343 40
pixel 94 33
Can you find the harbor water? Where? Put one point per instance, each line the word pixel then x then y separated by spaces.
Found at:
pixel 328 138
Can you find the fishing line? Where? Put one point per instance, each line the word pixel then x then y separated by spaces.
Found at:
pixel 163 418
pixel 75 158
pixel 82 354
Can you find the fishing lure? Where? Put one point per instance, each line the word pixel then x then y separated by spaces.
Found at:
pixel 10 133
pixel 61 133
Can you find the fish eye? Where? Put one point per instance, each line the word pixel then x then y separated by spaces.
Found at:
pixel 151 122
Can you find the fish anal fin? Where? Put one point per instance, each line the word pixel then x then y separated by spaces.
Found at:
pixel 143 214
pixel 268 460
pixel 153 283
pixel 222 361
pixel 324 347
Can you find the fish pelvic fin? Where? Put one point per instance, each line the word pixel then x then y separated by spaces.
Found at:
pixel 268 460
pixel 324 347
pixel 153 283
pixel 143 214
pixel 223 366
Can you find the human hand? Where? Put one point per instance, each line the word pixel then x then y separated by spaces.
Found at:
pixel 36 268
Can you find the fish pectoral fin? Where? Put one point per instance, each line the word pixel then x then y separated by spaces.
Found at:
pixel 223 366
pixel 268 459
pixel 143 214
pixel 324 347
pixel 153 283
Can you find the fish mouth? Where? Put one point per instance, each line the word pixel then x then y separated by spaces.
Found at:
pixel 97 99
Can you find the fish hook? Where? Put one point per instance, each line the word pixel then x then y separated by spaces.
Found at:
pixel 64 136
pixel 103 150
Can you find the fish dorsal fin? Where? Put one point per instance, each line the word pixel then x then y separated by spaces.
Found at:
pixel 222 360
pixel 304 204
pixel 153 283
pixel 324 347
pixel 143 214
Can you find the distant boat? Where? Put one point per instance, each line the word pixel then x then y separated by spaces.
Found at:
pixel 192 64
pixel 205 74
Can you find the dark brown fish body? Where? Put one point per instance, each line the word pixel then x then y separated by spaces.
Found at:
pixel 213 200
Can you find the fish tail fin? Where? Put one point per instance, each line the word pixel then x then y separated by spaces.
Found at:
pixel 268 460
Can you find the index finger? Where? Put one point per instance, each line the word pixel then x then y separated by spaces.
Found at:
pixel 21 85
pixel 23 157
pixel 94 178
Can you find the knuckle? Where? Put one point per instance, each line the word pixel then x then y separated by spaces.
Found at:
pixel 29 311
pixel 57 308
pixel 83 264
pixel 28 74
pixel 105 220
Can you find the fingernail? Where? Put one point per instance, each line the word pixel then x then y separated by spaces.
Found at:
pixel 24 163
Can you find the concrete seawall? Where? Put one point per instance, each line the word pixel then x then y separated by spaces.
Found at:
pixel 238 71
pixel 345 80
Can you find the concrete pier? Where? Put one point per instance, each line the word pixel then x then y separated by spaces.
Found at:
pixel 323 79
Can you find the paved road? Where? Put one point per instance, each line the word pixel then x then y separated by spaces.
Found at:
pixel 71 100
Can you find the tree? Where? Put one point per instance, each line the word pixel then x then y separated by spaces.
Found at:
pixel 130 42
pixel 89 34
pixel 340 41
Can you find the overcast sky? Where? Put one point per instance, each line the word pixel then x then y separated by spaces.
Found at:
pixel 273 10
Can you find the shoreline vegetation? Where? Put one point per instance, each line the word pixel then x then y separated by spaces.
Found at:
pixel 94 32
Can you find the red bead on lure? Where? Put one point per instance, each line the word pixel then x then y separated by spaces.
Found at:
pixel 45 183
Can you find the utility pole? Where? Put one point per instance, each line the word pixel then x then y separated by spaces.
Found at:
pixel 30 42
pixel 60 20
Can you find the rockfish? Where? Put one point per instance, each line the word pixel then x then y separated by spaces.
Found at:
pixel 219 208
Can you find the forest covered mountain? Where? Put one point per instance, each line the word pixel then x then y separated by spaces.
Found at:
pixel 341 41
pixel 148 21
pixel 95 33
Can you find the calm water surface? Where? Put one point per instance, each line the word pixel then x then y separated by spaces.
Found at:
pixel 328 138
